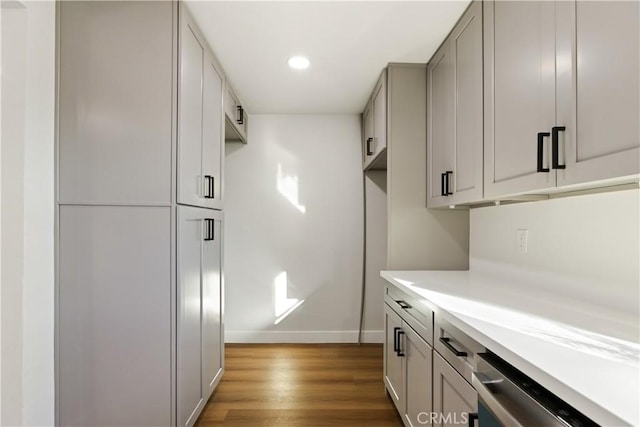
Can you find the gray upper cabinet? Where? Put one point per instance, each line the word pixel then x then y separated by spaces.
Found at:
pixel 200 344
pixel 115 113
pixel 519 47
pixel 236 116
pixel 557 113
pixel 598 84
pixel 454 120
pixel 200 120
pixel 375 137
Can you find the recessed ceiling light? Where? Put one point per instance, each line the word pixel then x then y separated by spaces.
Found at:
pixel 298 62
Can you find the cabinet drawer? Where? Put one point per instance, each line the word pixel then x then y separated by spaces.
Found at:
pixel 413 311
pixel 456 347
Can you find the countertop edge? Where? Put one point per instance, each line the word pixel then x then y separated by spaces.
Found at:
pixel 574 398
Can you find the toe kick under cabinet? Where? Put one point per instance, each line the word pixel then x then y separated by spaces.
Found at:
pixel 139 278
pixel 427 364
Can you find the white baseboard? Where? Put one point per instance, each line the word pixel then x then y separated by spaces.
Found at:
pixel 301 337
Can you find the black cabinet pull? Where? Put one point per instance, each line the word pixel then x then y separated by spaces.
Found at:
pixel 403 304
pixel 395 339
pixel 473 416
pixel 446 180
pixel 541 136
pixel 443 191
pixel 554 147
pixel 447 343
pixel 209 192
pixel 209 231
pixel 400 352
pixel 240 118
pixel 369 151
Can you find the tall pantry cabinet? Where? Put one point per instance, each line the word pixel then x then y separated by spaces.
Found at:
pixel 139 316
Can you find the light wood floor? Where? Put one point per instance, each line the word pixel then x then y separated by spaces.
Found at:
pixel 301 385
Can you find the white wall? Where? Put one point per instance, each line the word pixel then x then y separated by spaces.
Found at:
pixel 28 73
pixel 585 246
pixel 294 204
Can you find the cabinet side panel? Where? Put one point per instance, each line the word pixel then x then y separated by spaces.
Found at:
pixel 114 316
pixel 418 238
pixel 115 102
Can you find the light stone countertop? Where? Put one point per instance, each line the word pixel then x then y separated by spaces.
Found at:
pixel 586 354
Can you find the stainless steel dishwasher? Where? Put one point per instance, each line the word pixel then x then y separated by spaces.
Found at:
pixel 509 398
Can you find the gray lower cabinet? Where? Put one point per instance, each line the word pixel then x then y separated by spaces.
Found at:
pixel 393 367
pixel 114 316
pixel 407 369
pixel 454 399
pixel 199 296
pixel 200 131
pixel 454 114
pixel 115 104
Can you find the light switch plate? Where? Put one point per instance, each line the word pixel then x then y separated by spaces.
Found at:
pixel 522 241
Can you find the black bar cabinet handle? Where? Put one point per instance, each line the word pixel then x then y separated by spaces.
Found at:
pixel 447 343
pixel 403 304
pixel 369 151
pixel 443 191
pixel 400 352
pixel 473 416
pixel 240 119
pixel 209 187
pixel 541 136
pixel 395 339
pixel 209 230
pixel 448 190
pixel 554 147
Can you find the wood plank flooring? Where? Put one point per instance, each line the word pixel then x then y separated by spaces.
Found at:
pixel 301 385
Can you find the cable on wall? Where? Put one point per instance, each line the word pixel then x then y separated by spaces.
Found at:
pixel 364 254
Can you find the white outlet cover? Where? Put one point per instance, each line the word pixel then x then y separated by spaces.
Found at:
pixel 522 241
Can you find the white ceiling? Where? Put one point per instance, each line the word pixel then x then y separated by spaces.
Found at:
pixel 347 42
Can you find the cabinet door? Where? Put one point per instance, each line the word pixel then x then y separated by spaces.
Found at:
pixel 115 115
pixel 519 48
pixel 212 134
pixel 418 378
pixel 114 355
pixel 212 342
pixel 598 69
pixel 453 397
pixel 466 59
pixel 191 183
pixel 393 366
pixel 367 140
pixel 380 116
pixel 236 115
pixel 191 233
pixel 440 124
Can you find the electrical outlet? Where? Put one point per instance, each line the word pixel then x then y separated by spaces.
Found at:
pixel 522 240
